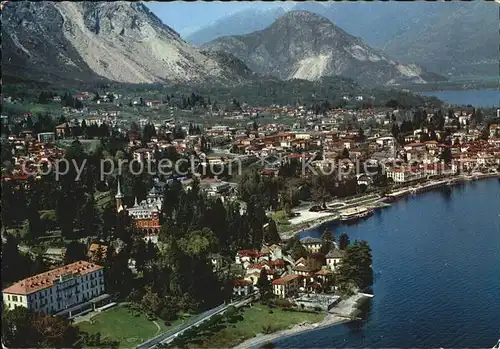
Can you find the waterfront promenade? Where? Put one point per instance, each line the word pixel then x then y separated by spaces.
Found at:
pixel 312 220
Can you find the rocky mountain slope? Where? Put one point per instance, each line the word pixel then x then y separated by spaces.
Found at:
pixel 302 45
pixel 239 23
pixel 447 37
pixel 117 41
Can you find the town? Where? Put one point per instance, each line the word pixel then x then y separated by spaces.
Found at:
pixel 206 249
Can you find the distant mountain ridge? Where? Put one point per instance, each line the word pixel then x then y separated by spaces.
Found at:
pixel 445 37
pixel 109 41
pixel 303 45
pixel 239 23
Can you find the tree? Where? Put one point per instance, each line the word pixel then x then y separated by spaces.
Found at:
pixel 446 155
pixel 395 130
pixel 17 328
pixel 343 241
pixel 356 266
pixel 151 303
pixel 35 226
pixel 148 132
pixel 89 217
pixel 328 241
pixel 55 331
pixel 118 274
pixel 361 134
pixel 295 248
pixel 75 251
pixel 264 284
pixel 198 243
pixel 345 153
pixel 392 104
pixel 139 253
pixel 22 328
pixel 15 265
pixel 272 235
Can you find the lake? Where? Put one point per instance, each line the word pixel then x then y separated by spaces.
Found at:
pixel 436 261
pixel 485 98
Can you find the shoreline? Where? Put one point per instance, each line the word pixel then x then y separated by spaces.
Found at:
pixel 343 312
pixel 380 203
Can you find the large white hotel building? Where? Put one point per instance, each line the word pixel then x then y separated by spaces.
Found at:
pixel 67 291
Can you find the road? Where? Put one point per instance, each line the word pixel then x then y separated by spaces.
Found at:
pixel 168 336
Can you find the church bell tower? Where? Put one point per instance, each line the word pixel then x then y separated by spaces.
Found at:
pixel 118 198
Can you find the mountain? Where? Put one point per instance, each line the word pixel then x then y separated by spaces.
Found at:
pixel 109 41
pixel 303 45
pixel 458 38
pixel 448 37
pixel 239 23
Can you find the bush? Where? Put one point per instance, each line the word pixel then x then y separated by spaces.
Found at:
pixel 283 303
pixel 268 329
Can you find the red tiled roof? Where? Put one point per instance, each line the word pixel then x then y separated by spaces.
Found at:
pixel 286 279
pixel 251 253
pixel 46 280
pixel 241 283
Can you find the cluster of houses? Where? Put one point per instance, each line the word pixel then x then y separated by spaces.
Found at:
pixel 30 156
pixel 288 278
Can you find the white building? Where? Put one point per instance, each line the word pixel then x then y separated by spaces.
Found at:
pixel 286 286
pixel 66 291
pixel 386 141
pixel 402 175
pixel 334 258
pixel 46 137
pixel 313 245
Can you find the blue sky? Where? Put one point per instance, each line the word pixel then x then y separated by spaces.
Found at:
pixel 186 17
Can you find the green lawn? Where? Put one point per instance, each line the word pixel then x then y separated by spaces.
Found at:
pixel 253 320
pixel 34 108
pixel 120 324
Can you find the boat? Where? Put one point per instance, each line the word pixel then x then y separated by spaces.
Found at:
pixel 389 199
pixel 353 214
pixel 497 346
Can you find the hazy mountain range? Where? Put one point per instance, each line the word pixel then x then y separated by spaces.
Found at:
pixel 453 37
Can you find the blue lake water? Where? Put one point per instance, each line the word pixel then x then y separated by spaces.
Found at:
pixel 436 259
pixel 485 98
